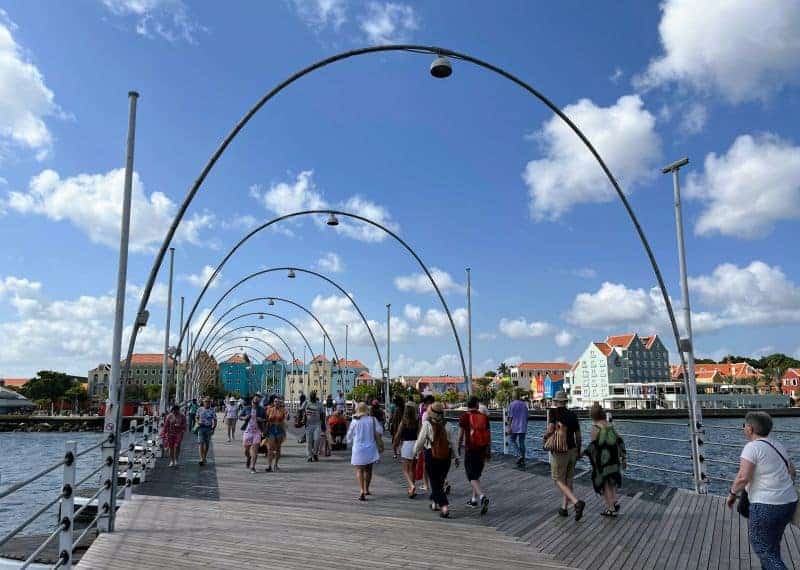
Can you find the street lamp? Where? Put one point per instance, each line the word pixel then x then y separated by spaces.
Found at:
pixel 291 274
pixel 271 302
pixel 332 220
pixel 441 67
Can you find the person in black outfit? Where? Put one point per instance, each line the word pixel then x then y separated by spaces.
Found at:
pixel 563 422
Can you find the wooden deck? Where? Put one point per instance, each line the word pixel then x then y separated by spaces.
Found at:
pixel 221 516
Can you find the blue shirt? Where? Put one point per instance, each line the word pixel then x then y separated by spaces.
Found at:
pixel 519 416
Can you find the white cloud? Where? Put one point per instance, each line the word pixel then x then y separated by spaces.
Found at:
pixel 168 19
pixel 446 364
pixel 158 295
pixel 93 204
pixel 615 305
pixel 748 189
pixel 419 282
pixel 389 22
pixel 624 134
pixel 742 50
pixel 285 198
pixel 617 75
pixel 412 312
pixel 564 338
pixel 693 119
pixel 200 279
pixel 319 14
pixel 25 100
pixel 512 360
pixel 585 273
pixel 521 328
pixel 242 223
pixel 330 262
pixel 436 323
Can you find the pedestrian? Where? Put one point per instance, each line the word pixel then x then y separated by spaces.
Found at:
pixel 363 435
pixel 191 413
pixel 314 417
pixel 172 434
pixel 231 413
pixel 337 427
pixel 476 436
pixel 340 403
pixel 299 420
pixel 562 439
pixel 420 473
pixel 255 419
pixel 766 480
pixel 206 424
pixel 276 433
pixel 377 413
pixel 405 436
pixel 518 412
pixel 329 406
pixel 437 443
pixel 608 457
pixel 396 411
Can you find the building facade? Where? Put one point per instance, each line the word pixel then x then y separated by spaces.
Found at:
pixel 538 376
pixel 624 371
pixel 98 381
pixel 790 382
pixel 347 375
pixel 239 374
pixel 441 384
pixel 145 370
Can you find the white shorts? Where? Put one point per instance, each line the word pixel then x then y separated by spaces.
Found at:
pixel 407 450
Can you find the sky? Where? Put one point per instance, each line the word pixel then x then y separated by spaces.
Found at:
pixel 471 171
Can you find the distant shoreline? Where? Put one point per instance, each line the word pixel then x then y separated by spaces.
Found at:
pixel 665 414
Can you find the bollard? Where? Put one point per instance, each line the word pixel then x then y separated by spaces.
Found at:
pixel 67 507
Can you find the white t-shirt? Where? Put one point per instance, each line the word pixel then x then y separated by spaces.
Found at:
pixel 771 483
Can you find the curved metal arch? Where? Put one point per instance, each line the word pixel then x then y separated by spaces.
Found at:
pixel 224 346
pixel 283 340
pixel 243 315
pixel 301 270
pixel 251 327
pixel 414 48
pixel 221 341
pixel 255 299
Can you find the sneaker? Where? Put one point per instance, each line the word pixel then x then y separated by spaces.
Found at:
pixel 316 458
pixel 563 512
pixel 484 504
pixel 579 506
pixel 253 471
pixel 310 459
pixel 472 503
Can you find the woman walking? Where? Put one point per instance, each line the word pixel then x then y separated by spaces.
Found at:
pixel 276 433
pixel 608 457
pixel 363 435
pixel 405 436
pixel 767 475
pixel 437 442
pixel 255 417
pixel 231 413
pixel 172 434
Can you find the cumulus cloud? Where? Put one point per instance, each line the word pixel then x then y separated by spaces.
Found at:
pixel 167 19
pixel 321 14
pixel 435 322
pixel 693 119
pixel 93 204
pixel 200 279
pixel 624 134
pixel 564 338
pixel 419 282
pixel 747 190
pixel 615 305
pixel 446 364
pixel 158 295
pixel 330 262
pixel 25 99
pixel 302 194
pixel 521 328
pixel 743 50
pixel 412 312
pixel 389 22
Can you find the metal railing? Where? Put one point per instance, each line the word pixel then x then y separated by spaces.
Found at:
pixel 140 450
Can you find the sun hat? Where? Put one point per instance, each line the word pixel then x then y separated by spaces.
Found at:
pixel 561 396
pixel 361 410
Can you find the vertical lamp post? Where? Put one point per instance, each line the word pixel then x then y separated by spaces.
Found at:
pixel 388 352
pixel 686 346
pixel 469 331
pixel 162 404
pixel 178 375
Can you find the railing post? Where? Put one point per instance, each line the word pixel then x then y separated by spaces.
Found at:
pixel 505 431
pixel 67 507
pixel 109 471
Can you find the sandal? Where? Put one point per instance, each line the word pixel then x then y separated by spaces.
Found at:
pixel 445 514
pixel 412 493
pixel 609 513
pixel 616 507
pixel 362 497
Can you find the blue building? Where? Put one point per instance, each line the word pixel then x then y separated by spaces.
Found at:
pixel 551 387
pixel 241 375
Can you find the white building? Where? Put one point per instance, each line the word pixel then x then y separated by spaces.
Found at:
pixel 625 371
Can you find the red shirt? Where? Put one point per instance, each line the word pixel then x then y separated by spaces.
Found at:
pixel 463 423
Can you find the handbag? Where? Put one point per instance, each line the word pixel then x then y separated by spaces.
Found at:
pixel 556 442
pixel 378 437
pixel 743 506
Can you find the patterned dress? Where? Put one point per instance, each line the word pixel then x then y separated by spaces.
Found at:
pixel 173 430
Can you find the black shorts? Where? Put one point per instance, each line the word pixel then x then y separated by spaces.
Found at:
pixel 474 460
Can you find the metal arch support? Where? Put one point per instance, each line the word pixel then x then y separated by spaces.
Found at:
pixel 207 339
pixel 223 341
pixel 219 338
pixel 308 271
pixel 279 337
pixel 234 345
pixel 255 299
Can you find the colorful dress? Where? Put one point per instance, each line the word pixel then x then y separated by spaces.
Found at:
pixel 173 430
pixel 252 434
pixel 276 418
pixel 607 455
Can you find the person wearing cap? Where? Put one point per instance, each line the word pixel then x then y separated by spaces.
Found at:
pixel 439 447
pixel 362 436
pixel 231 413
pixel 563 423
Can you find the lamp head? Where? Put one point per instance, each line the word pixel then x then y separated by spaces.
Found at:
pixel 332 220
pixel 271 302
pixel 291 274
pixel 441 67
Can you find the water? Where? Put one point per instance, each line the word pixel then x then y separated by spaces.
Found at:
pixel 25 454
pixel 721 461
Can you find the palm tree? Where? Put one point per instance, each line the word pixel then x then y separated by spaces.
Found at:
pixel 503 370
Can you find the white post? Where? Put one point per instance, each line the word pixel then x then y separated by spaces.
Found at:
pixel 65 537
pixel 388 356
pixel 109 474
pixel 469 330
pixel 505 435
pixel 162 405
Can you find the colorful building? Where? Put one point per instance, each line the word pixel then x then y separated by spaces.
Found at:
pixel 532 375
pixel 790 382
pixel 347 375
pixel 441 384
pixel 239 374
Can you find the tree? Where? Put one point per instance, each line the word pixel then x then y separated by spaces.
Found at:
pixel 363 391
pixel 408 393
pixel 215 390
pixel 47 385
pixel 503 369
pixel 505 391
pixel 490 374
pixel 152 392
pixel 482 389
pixel 77 395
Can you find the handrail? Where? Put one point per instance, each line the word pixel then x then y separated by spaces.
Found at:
pixel 42 546
pixel 90 475
pixel 660 423
pixel 21 484
pixel 95 446
pixel 30 519
pixel 654 437
pixel 660 469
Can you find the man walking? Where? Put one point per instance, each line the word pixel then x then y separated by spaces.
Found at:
pixel 563 439
pixel 207 423
pixel 191 413
pixel 473 430
pixel 314 416
pixel 518 412
pixel 340 405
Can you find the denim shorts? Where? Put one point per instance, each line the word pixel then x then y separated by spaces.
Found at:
pixel 204 434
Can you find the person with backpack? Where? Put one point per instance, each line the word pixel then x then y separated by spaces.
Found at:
pixel 562 439
pixel 474 433
pixel 439 448
pixel 607 454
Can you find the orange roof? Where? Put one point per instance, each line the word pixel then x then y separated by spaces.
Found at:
pixel 297 362
pixel 621 340
pixel 365 375
pixel 320 358
pixel 649 340
pixel 351 363
pixel 441 379
pixel 543 366
pixel 792 373
pixel 604 348
pixel 149 360
pixel 239 359
pixel 15 382
pixel 731 370
pixel 274 357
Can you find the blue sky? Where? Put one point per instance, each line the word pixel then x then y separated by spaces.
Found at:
pixel 470 170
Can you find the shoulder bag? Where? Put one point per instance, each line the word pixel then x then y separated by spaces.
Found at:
pixel 378 437
pixel 556 442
